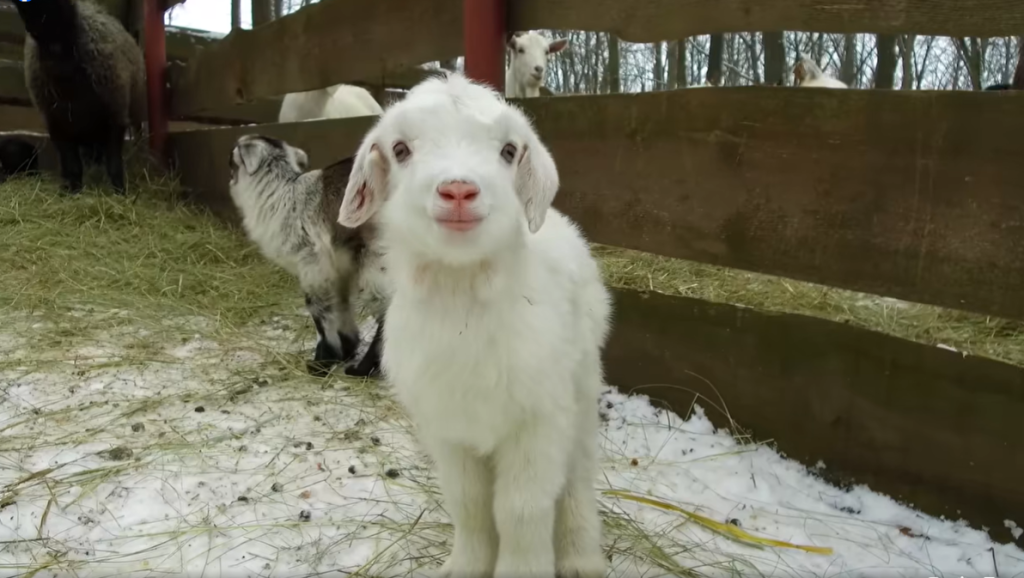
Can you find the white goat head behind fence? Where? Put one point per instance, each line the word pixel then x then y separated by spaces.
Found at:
pixel 529 53
pixel 454 171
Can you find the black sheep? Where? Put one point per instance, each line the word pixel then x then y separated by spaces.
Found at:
pixel 85 74
pixel 17 155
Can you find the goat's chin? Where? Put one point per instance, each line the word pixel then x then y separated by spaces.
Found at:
pixel 463 243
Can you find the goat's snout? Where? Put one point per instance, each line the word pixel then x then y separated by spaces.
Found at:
pixel 458 192
pixel 457 198
pixel 538 69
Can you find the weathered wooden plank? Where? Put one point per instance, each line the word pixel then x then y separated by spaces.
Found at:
pixel 653 20
pixel 12 84
pixel 199 155
pixel 21 118
pixel 325 43
pixel 920 423
pixel 914 195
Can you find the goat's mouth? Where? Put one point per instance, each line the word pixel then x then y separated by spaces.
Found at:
pixel 538 76
pixel 460 224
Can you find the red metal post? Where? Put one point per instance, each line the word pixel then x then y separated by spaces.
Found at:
pixel 156 62
pixel 484 25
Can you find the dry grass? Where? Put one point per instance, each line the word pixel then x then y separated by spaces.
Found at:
pixel 152 257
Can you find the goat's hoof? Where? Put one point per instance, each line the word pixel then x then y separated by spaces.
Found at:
pixel 318 368
pixel 360 371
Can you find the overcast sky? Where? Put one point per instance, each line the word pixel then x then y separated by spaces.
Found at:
pixel 212 15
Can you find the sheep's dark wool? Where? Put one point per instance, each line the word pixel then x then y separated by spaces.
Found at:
pixel 17 155
pixel 85 74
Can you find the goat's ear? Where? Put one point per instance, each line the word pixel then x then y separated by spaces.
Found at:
pixel 367 186
pixel 536 182
pixel 250 153
pixel 301 158
pixel 510 42
pixel 558 45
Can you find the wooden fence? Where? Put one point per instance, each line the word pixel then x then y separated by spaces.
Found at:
pixel 915 195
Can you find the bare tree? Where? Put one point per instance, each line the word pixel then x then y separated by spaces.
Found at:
pixel 682 69
pixel 614 63
pixel 659 69
pixel 236 14
pixel 848 66
pixel 1018 76
pixel 906 45
pixel 972 51
pixel 715 52
pixel 262 12
pixel 774 57
pixel 885 68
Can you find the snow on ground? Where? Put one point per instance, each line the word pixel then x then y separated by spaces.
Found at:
pixel 213 456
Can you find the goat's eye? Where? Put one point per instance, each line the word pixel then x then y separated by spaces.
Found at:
pixel 401 151
pixel 521 50
pixel 508 152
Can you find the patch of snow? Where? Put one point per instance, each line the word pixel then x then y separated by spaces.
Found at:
pixel 212 460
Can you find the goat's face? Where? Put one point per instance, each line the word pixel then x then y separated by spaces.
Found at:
pixel 454 171
pixel 529 52
pixel 257 157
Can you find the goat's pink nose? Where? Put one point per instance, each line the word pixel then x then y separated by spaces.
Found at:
pixel 458 191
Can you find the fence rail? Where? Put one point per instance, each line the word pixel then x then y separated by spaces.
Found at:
pixel 914 195
pixel 323 44
pixel 654 20
pixel 920 423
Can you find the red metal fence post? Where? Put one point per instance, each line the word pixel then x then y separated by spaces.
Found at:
pixel 484 31
pixel 156 62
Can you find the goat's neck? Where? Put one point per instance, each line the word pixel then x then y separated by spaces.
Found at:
pixel 527 89
pixel 483 280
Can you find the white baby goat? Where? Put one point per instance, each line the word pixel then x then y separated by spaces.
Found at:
pixel 338 101
pixel 493 338
pixel 529 53
pixel 806 73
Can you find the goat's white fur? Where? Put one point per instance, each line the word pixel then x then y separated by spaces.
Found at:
pixel 493 338
pixel 338 101
pixel 528 62
pixel 807 74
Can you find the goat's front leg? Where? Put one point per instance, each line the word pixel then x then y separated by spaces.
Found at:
pixel 467 482
pixel 577 523
pixel 336 341
pixel 530 473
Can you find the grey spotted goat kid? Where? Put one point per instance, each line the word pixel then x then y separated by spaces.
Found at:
pixel 291 215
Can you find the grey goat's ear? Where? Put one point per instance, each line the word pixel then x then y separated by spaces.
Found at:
pixel 252 153
pixel 299 157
